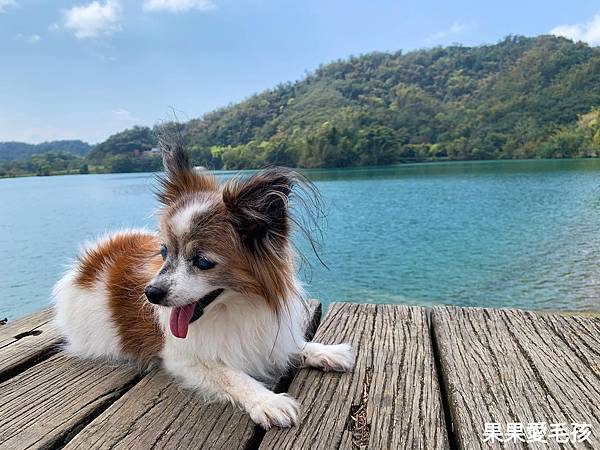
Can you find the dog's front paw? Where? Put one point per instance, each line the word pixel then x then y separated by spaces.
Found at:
pixel 278 410
pixel 338 357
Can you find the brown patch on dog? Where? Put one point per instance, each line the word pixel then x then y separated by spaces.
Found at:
pixel 125 263
pixel 259 206
pixel 188 181
pixel 258 211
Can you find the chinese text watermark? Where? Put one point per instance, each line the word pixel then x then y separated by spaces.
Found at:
pixel 561 432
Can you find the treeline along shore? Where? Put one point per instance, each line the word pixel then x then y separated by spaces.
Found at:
pixel 520 98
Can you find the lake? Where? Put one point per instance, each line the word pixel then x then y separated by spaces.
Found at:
pixel 520 234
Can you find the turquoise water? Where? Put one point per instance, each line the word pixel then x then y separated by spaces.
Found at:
pixel 505 234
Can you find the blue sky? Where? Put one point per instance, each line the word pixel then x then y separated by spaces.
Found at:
pixel 86 69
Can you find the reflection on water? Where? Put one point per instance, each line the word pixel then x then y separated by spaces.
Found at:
pixel 519 234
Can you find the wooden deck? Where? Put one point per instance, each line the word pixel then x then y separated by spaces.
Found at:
pixel 424 378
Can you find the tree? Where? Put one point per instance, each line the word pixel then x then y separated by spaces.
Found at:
pixel 377 145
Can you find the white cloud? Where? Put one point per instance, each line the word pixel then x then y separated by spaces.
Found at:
pixel 54 27
pixel 95 19
pixel 455 29
pixel 30 39
pixel 34 38
pixel 587 32
pixel 5 4
pixel 124 116
pixel 106 58
pixel 178 5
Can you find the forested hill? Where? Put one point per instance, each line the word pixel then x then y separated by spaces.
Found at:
pixel 21 150
pixel 520 98
pixel 523 97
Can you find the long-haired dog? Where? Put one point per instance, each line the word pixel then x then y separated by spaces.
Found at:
pixel 213 295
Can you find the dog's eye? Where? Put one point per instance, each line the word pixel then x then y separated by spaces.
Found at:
pixel 202 263
pixel 163 251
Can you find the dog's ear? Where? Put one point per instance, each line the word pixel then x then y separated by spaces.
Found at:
pixel 180 176
pixel 258 206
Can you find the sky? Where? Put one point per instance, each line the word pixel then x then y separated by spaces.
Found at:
pixel 80 69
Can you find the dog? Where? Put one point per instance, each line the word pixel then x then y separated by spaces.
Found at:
pixel 213 296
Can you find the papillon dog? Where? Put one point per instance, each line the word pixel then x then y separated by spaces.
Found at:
pixel 213 296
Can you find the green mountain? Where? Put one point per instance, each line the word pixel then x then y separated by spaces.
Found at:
pixel 129 142
pixel 523 97
pixel 520 98
pixel 10 151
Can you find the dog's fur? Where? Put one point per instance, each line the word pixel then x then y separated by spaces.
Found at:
pixel 248 336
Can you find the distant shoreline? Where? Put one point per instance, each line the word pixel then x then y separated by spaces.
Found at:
pixel 430 161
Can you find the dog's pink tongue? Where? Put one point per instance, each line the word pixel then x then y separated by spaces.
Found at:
pixel 180 320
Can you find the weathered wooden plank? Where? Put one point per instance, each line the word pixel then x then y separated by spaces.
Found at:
pixel 26 341
pixel 390 401
pixel 581 335
pixel 156 413
pixel 43 406
pixel 506 366
pixel 28 322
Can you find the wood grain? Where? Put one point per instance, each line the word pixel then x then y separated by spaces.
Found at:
pixel 502 366
pixel 156 413
pixel 43 406
pixel 390 401
pixel 25 342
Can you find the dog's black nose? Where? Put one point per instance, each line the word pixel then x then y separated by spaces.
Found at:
pixel 155 294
